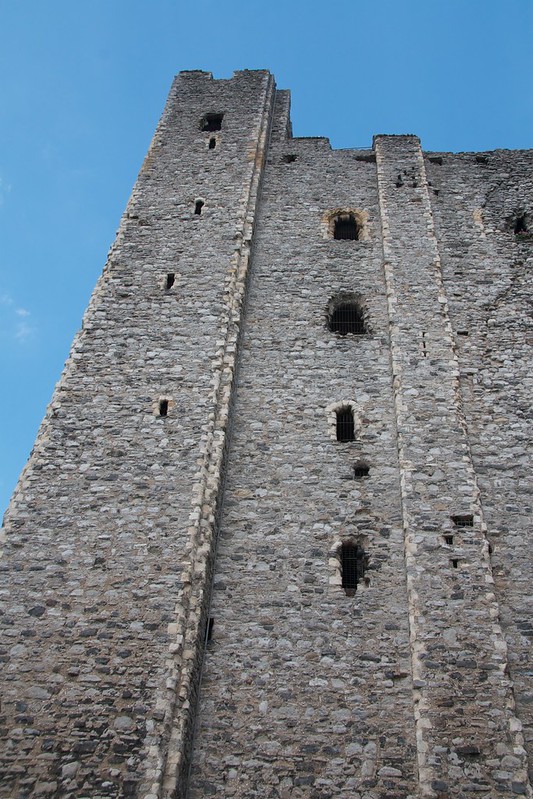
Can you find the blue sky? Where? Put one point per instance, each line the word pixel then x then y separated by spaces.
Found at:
pixel 84 83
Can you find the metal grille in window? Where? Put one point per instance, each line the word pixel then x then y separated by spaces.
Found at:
pixel 345 425
pixel 463 521
pixel 345 227
pixel 352 567
pixel 347 318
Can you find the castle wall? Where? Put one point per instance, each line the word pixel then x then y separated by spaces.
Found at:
pixel 306 691
pixel 476 201
pixel 97 559
pixel 458 649
pixel 139 664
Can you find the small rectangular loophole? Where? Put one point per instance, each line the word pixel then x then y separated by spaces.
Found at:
pixel 463 520
pixel 455 563
pixel 212 143
pixel 171 277
pixel 209 630
pixel 448 539
pixel 163 407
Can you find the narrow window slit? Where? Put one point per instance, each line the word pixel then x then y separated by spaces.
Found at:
pixel 352 560
pixel 212 143
pixel 163 407
pixel 209 629
pixel 448 539
pixel 424 346
pixel 171 277
pixel 465 520
pixel 345 427
pixel 198 205
pixel 521 225
pixel 455 563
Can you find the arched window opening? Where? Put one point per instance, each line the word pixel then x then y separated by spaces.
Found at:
pixel 347 317
pixel 345 227
pixel 211 122
pixel 521 225
pixel 352 558
pixel 212 143
pixel 198 205
pixel 345 425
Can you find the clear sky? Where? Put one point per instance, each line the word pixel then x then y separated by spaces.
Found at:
pixel 84 83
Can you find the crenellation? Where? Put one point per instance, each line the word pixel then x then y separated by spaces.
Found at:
pixel 211 587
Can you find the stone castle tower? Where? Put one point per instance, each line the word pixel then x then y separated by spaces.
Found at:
pixel 272 539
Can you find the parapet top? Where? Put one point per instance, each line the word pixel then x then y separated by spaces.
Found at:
pixel 200 73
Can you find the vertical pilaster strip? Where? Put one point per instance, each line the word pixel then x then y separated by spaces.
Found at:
pixel 466 729
pixel 168 746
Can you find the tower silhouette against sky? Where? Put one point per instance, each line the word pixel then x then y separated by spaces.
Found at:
pixel 272 538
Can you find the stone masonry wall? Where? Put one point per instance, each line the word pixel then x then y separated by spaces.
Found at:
pixel 306 691
pixel 458 650
pixel 97 560
pixel 476 201
pixel 173 619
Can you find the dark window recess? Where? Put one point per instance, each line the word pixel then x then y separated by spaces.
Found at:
pixel 163 407
pixel 345 227
pixel 347 318
pixel 463 521
pixel 198 205
pixel 170 280
pixel 289 158
pixel 345 425
pixel 212 143
pixel 455 563
pixel 209 629
pixel 211 122
pixel 521 225
pixel 360 469
pixel 352 560
pixel 448 539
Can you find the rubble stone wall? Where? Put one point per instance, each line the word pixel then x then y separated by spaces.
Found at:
pixel 174 619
